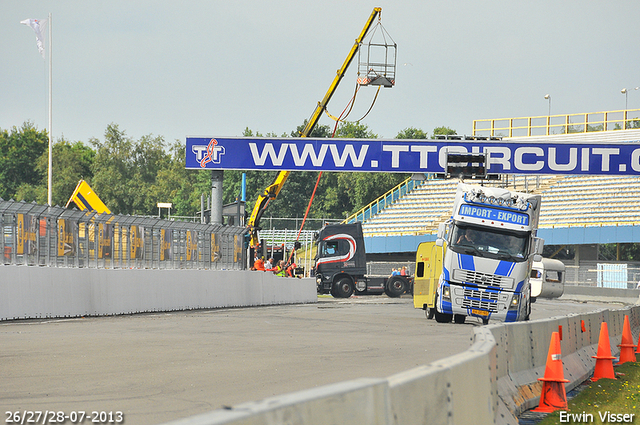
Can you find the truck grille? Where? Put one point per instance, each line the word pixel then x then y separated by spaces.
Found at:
pixel 478 299
pixel 484 279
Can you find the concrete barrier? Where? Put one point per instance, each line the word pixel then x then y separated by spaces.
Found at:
pixel 440 392
pixel 357 402
pixel 492 382
pixel 39 292
pixel 590 293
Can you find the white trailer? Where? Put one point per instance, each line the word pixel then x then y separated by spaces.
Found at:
pixel 547 278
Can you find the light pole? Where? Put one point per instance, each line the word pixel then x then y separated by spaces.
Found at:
pixel 626 99
pixel 626 94
pixel 548 97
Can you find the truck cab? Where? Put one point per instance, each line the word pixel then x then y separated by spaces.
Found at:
pixel 489 246
pixel 341 265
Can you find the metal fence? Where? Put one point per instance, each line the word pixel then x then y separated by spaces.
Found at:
pixel 287 239
pixel 558 124
pixel 39 235
pixel 601 274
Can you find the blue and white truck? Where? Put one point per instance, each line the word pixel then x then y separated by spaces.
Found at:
pixel 489 245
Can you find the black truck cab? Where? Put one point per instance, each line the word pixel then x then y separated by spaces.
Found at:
pixel 341 265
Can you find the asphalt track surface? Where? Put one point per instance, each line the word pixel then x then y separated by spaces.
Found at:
pixel 165 366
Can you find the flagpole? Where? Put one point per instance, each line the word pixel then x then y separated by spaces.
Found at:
pixel 50 172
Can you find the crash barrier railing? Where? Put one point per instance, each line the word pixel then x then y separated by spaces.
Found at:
pixel 383 201
pixel 492 382
pixel 546 125
pixel 287 238
pixel 312 224
pixel 39 235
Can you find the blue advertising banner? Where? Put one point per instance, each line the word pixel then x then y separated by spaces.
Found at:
pixel 410 156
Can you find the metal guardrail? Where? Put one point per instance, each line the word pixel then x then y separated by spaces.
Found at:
pixel 286 237
pixel 39 235
pixel 383 201
pixel 558 124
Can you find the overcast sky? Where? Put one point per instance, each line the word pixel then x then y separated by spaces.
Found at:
pixel 212 68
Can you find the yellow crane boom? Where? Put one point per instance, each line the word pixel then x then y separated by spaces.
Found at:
pixel 272 191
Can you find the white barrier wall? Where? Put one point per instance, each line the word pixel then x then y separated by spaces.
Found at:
pixel 491 383
pixel 37 292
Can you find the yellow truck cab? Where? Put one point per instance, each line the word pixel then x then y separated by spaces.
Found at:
pixel 428 270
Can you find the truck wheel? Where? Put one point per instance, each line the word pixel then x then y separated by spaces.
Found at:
pixel 342 288
pixel 443 317
pixel 395 287
pixel 459 318
pixel 430 312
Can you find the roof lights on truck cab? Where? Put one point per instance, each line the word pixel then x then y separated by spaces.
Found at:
pixel 516 202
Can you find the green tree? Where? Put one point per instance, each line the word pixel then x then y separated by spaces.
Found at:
pixel 71 163
pixel 113 170
pixel 319 131
pixel 354 130
pixel 19 152
pixel 174 183
pixel 412 133
pixel 619 252
pixel 149 160
pixel 125 171
pixel 443 131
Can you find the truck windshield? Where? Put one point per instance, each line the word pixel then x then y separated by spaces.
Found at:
pixel 489 242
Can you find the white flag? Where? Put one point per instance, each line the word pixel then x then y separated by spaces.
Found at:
pixel 38 27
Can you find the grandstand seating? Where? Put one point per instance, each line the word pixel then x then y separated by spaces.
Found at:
pixel 567 201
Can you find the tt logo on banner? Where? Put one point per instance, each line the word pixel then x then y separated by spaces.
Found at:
pixel 210 153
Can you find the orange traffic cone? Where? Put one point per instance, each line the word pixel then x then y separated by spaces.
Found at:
pixel 554 395
pixel 626 347
pixel 604 359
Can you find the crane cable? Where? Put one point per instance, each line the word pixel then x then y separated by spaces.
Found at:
pixel 337 120
pixel 351 102
pixel 320 173
pixel 372 103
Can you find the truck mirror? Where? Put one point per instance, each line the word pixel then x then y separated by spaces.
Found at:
pixel 439 242
pixel 441 230
pixel 537 257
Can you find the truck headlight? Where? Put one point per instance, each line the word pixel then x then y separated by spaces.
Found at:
pixel 446 293
pixel 319 279
pixel 515 302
